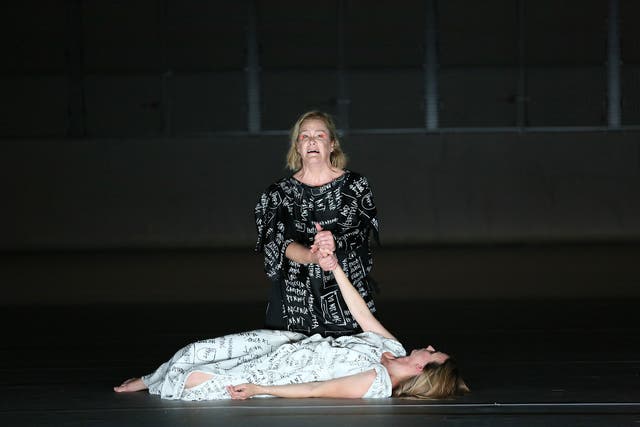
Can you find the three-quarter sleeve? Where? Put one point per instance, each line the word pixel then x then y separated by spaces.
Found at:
pixel 360 211
pixel 287 212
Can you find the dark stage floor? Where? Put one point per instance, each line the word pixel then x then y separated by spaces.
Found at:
pixel 529 362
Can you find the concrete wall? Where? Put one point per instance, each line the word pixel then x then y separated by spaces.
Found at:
pixel 200 192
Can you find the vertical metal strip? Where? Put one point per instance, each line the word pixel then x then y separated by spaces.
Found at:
pixel 613 66
pixel 430 67
pixel 76 109
pixel 253 71
pixel 521 94
pixel 167 74
pixel 343 87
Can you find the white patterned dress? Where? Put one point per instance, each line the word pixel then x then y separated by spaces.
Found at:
pixel 269 357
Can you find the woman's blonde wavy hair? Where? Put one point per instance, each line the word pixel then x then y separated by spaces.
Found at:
pixel 338 157
pixel 436 381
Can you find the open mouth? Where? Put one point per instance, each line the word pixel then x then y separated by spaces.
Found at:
pixel 313 151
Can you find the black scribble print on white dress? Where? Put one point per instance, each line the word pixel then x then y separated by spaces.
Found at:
pixel 306 299
pixel 269 357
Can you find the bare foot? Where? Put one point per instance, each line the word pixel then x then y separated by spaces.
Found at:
pixel 132 384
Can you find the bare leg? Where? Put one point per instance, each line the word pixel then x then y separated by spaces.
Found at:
pixel 132 384
pixel 197 378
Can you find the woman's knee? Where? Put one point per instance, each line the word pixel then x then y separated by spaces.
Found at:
pixel 196 378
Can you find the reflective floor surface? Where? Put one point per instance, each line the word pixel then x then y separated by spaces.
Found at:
pixel 529 362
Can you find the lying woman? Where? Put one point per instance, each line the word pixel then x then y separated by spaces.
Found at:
pixel 372 364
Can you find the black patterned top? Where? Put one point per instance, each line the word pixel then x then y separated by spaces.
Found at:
pixel 304 298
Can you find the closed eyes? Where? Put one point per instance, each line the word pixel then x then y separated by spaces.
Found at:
pixel 320 137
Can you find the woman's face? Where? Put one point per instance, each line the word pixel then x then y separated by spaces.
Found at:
pixel 314 143
pixel 424 356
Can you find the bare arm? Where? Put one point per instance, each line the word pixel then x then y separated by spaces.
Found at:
pixel 350 387
pixel 357 306
pixel 359 309
pixel 301 254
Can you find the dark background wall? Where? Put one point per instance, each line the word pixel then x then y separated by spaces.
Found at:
pixel 155 124
pixel 200 192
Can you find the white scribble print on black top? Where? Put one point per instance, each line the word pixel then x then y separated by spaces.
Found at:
pixel 304 298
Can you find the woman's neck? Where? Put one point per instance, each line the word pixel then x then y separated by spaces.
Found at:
pixel 396 375
pixel 318 175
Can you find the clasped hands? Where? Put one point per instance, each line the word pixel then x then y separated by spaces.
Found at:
pixel 323 248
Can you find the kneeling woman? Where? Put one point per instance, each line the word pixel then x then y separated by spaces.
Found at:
pixel 372 364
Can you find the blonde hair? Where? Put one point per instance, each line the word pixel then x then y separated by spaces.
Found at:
pixel 436 381
pixel 338 157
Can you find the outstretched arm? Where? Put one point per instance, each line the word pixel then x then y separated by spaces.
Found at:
pixel 350 387
pixel 357 306
pixel 359 309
